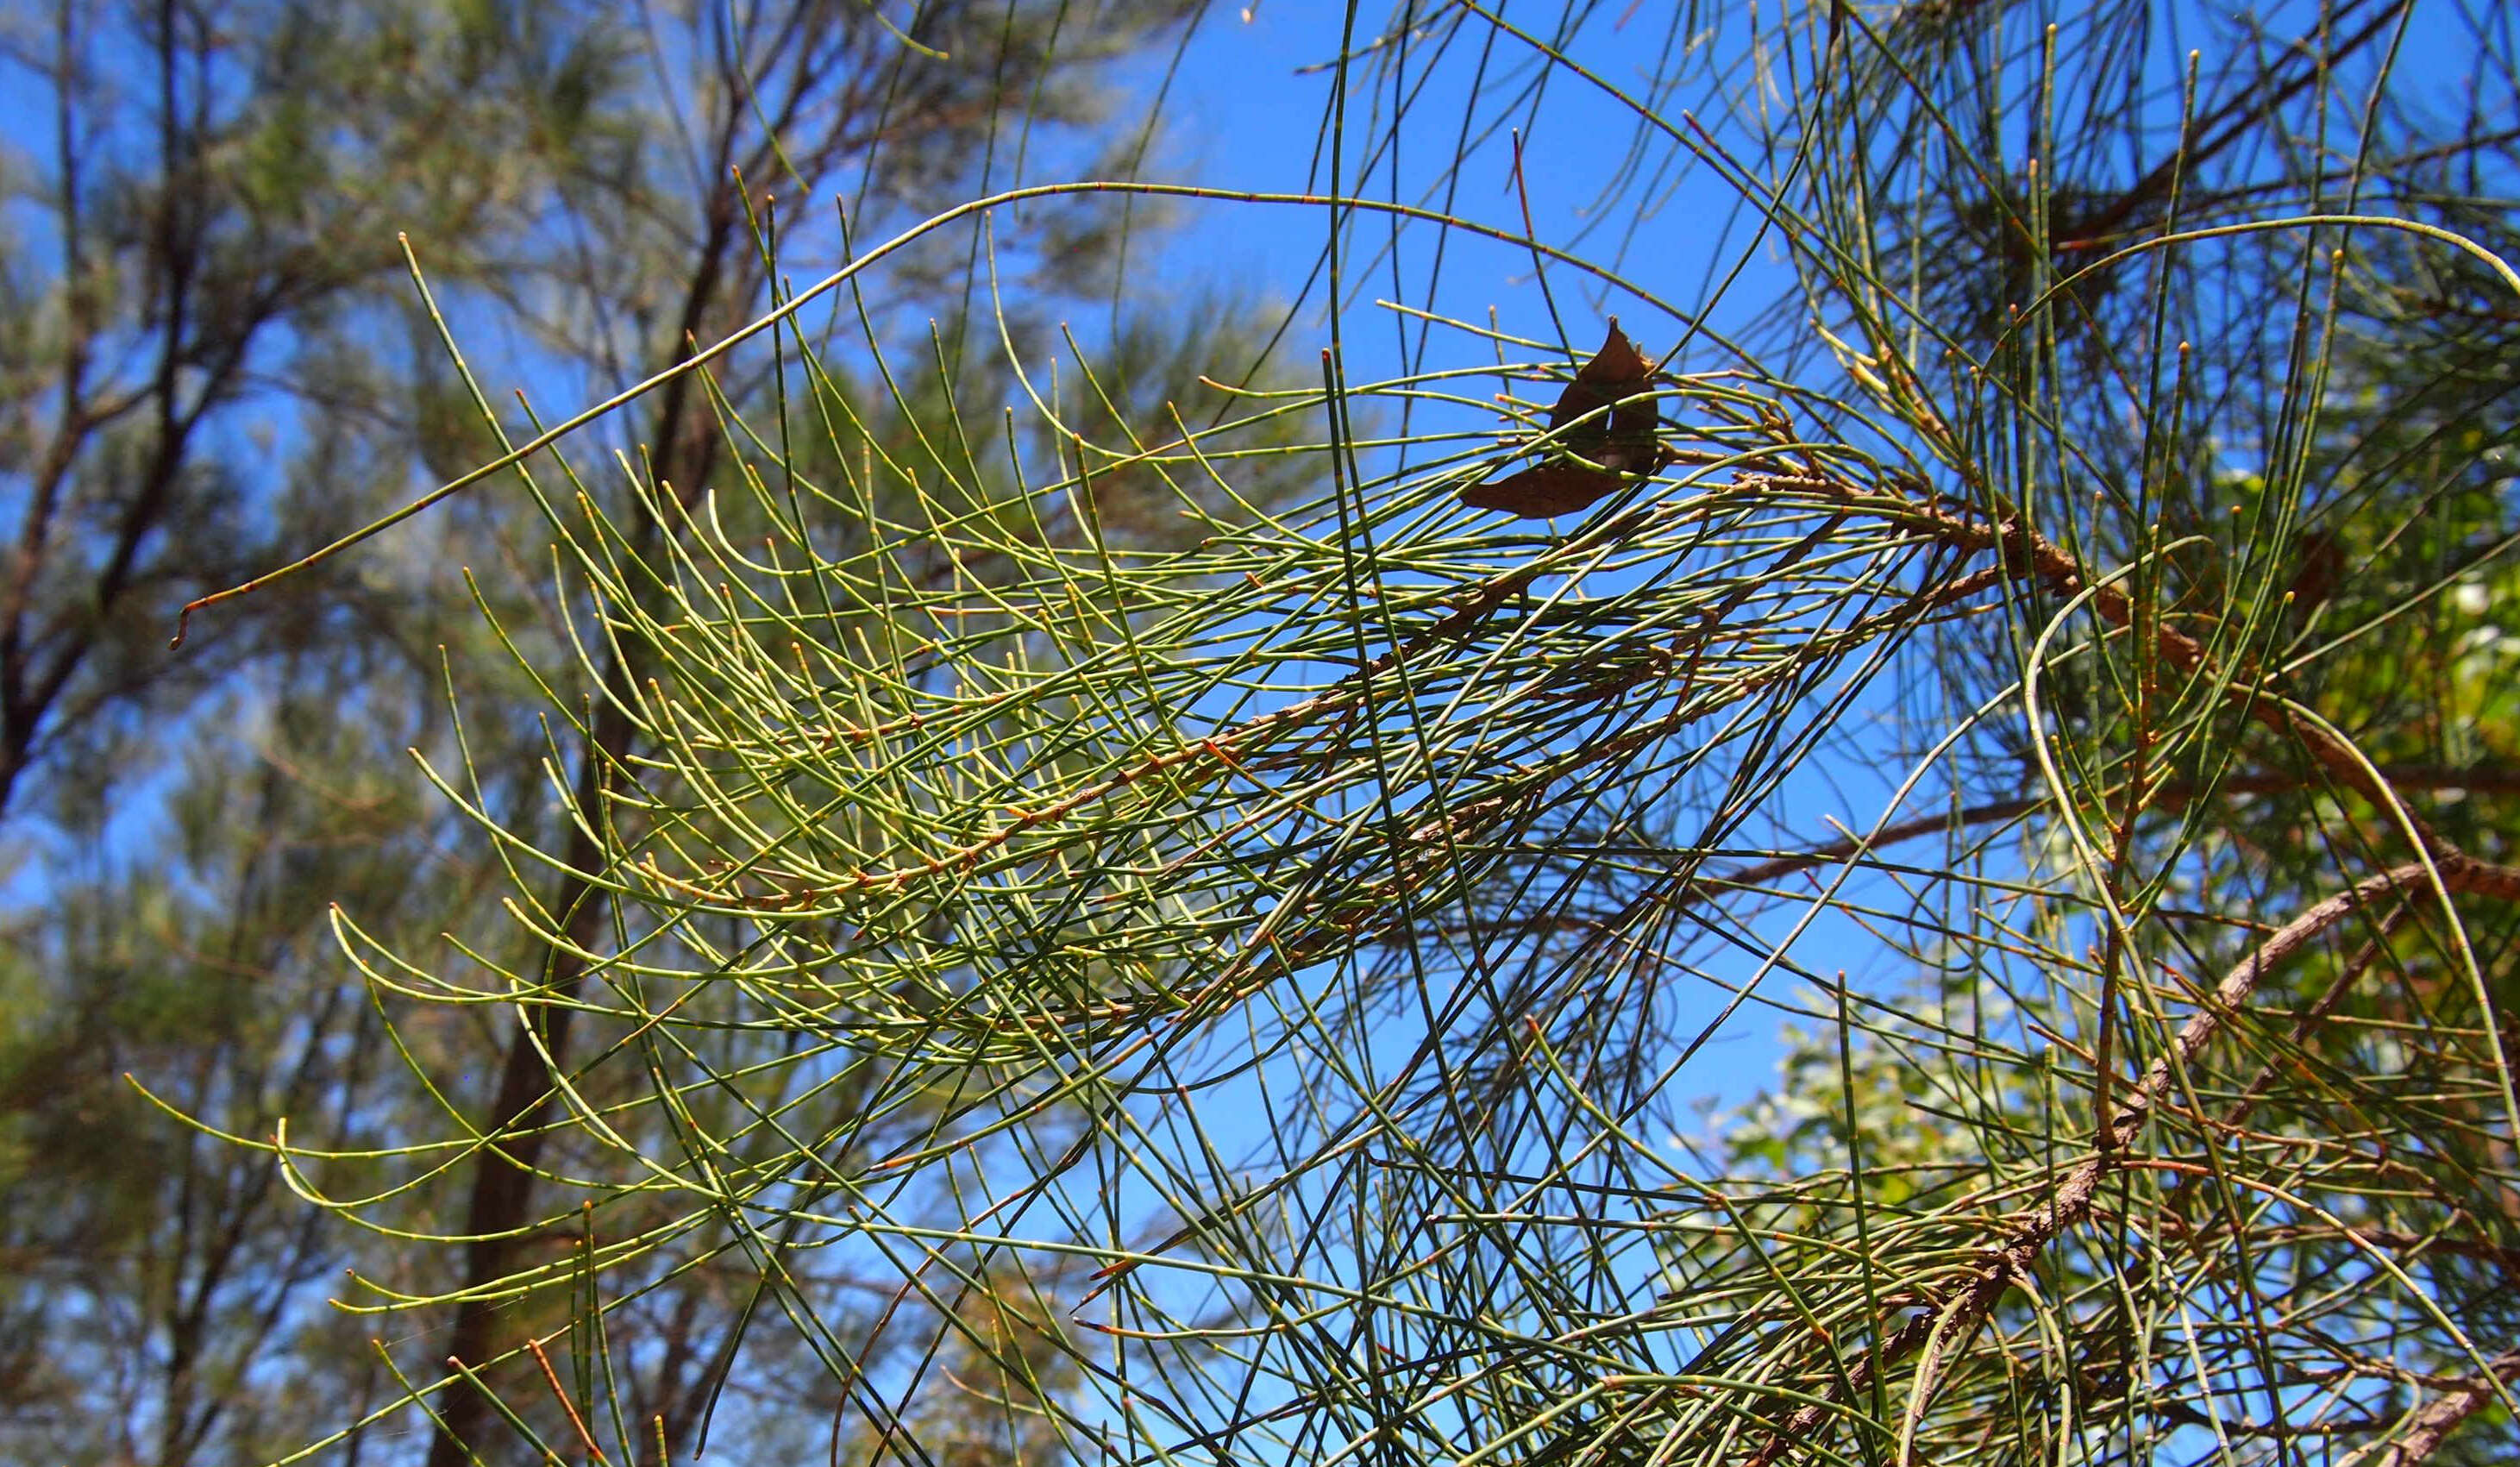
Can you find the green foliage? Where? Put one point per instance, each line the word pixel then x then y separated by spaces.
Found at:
pixel 1069 910
pixel 221 364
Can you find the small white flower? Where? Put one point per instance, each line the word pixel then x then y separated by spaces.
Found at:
pixel 2471 598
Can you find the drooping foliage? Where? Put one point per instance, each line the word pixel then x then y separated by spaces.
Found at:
pixel 1231 966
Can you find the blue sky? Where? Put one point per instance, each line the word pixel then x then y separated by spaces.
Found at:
pixel 1243 112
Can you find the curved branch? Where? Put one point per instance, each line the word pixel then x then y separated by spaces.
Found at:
pixel 2433 1423
pixel 1997 1268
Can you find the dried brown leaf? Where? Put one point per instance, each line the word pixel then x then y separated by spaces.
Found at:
pixel 1605 415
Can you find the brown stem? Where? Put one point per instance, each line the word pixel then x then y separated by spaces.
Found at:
pixel 2021 551
pixel 1995 1269
pixel 2434 1423
pixel 500 1209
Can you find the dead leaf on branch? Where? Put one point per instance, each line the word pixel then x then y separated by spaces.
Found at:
pixel 1606 420
pixel 1544 490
